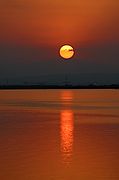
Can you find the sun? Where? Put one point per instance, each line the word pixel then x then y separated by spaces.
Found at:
pixel 66 51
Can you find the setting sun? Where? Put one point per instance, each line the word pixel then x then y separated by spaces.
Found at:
pixel 66 51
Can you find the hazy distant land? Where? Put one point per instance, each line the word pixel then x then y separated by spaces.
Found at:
pixel 91 86
pixel 63 81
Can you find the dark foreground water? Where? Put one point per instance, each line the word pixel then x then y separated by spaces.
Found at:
pixel 59 135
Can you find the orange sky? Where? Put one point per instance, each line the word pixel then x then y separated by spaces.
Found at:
pixel 54 22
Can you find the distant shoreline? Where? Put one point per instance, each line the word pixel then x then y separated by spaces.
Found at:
pixel 8 87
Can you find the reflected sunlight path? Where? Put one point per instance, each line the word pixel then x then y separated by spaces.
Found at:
pixel 67 127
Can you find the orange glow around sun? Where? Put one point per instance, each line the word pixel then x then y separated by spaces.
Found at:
pixel 54 22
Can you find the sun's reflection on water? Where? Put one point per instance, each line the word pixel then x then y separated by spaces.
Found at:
pixel 66 129
pixel 66 95
pixel 67 135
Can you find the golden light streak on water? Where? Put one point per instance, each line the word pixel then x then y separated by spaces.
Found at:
pixel 67 127
pixel 66 96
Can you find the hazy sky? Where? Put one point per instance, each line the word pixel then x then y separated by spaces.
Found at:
pixel 32 31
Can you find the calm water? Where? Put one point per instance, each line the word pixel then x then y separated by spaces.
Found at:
pixel 59 135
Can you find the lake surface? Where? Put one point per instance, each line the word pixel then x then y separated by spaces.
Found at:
pixel 59 135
